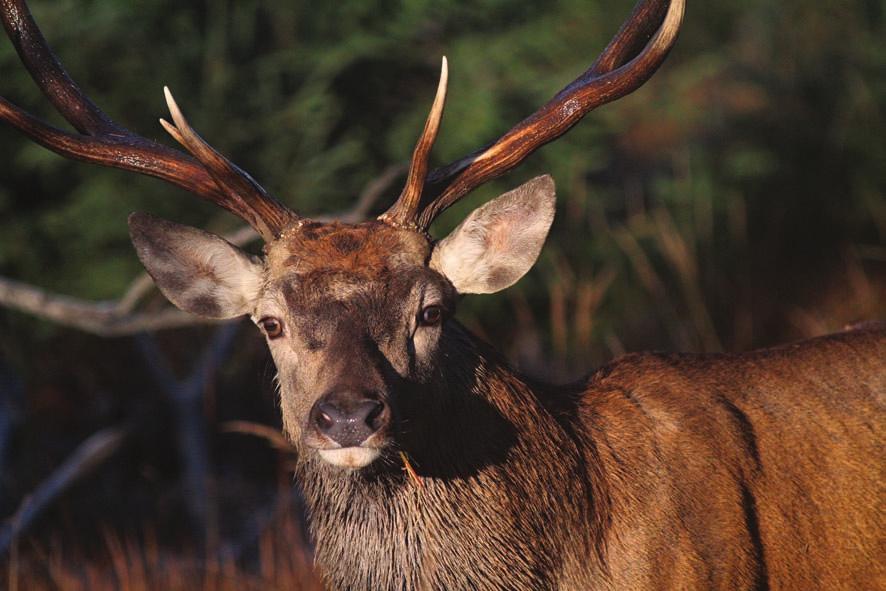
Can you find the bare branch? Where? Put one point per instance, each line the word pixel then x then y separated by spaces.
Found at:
pixel 370 194
pixel 113 318
pixel 104 319
pixel 271 434
pixel 88 456
pixel 186 398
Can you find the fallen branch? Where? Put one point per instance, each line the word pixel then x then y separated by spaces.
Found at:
pixel 103 319
pixel 88 456
pixel 186 398
pixel 115 318
pixel 270 434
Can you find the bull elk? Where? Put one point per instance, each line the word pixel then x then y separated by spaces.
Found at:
pixel 760 470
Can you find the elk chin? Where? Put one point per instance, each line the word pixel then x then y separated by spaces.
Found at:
pixel 353 458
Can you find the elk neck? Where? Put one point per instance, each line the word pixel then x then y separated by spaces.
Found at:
pixel 483 440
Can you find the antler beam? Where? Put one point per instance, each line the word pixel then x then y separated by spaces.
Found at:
pixel 626 63
pixel 102 141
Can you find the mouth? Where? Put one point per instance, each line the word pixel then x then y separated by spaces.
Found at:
pixel 354 458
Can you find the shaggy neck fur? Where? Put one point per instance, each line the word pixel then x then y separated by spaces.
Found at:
pixel 478 437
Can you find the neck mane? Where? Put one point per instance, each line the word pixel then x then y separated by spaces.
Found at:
pixel 483 441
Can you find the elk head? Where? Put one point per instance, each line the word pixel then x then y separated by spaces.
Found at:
pixel 355 315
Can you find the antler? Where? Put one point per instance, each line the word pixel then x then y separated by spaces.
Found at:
pixel 405 209
pixel 102 141
pixel 626 63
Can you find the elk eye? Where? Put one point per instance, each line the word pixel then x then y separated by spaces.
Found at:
pixel 431 316
pixel 272 326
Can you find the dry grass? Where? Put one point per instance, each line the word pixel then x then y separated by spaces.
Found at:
pixel 280 561
pixel 680 283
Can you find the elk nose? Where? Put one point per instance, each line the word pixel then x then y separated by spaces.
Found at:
pixel 348 417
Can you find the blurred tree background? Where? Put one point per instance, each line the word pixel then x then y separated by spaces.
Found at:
pixel 735 201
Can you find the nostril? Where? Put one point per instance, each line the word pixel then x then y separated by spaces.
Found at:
pixel 324 421
pixel 349 417
pixel 374 418
pixel 326 416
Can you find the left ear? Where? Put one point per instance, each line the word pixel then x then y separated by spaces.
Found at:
pixel 199 272
pixel 498 243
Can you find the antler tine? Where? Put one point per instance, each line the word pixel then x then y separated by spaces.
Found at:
pixel 639 27
pixel 405 210
pixel 268 216
pixel 617 72
pixel 102 141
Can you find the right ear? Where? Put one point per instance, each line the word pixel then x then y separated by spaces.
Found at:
pixel 199 272
pixel 499 241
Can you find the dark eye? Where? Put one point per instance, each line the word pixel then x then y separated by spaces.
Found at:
pixel 272 326
pixel 431 316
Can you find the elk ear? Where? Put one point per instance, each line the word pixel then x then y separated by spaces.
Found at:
pixel 498 243
pixel 199 272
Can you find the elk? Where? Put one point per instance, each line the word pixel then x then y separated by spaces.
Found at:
pixel 760 470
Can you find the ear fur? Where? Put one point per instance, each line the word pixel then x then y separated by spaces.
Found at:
pixel 199 272
pixel 498 242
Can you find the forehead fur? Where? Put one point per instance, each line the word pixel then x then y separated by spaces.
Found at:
pixel 365 249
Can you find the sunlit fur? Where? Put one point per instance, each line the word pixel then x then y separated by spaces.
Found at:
pixel 752 471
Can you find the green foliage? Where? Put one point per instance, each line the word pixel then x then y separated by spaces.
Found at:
pixel 760 138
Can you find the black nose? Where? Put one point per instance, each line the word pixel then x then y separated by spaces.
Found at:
pixel 349 417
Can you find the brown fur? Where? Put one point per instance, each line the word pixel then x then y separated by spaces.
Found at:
pixel 362 249
pixel 754 471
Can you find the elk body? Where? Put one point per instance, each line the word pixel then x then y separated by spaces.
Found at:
pixel 753 471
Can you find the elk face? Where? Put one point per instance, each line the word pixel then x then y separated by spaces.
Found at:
pixel 354 315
